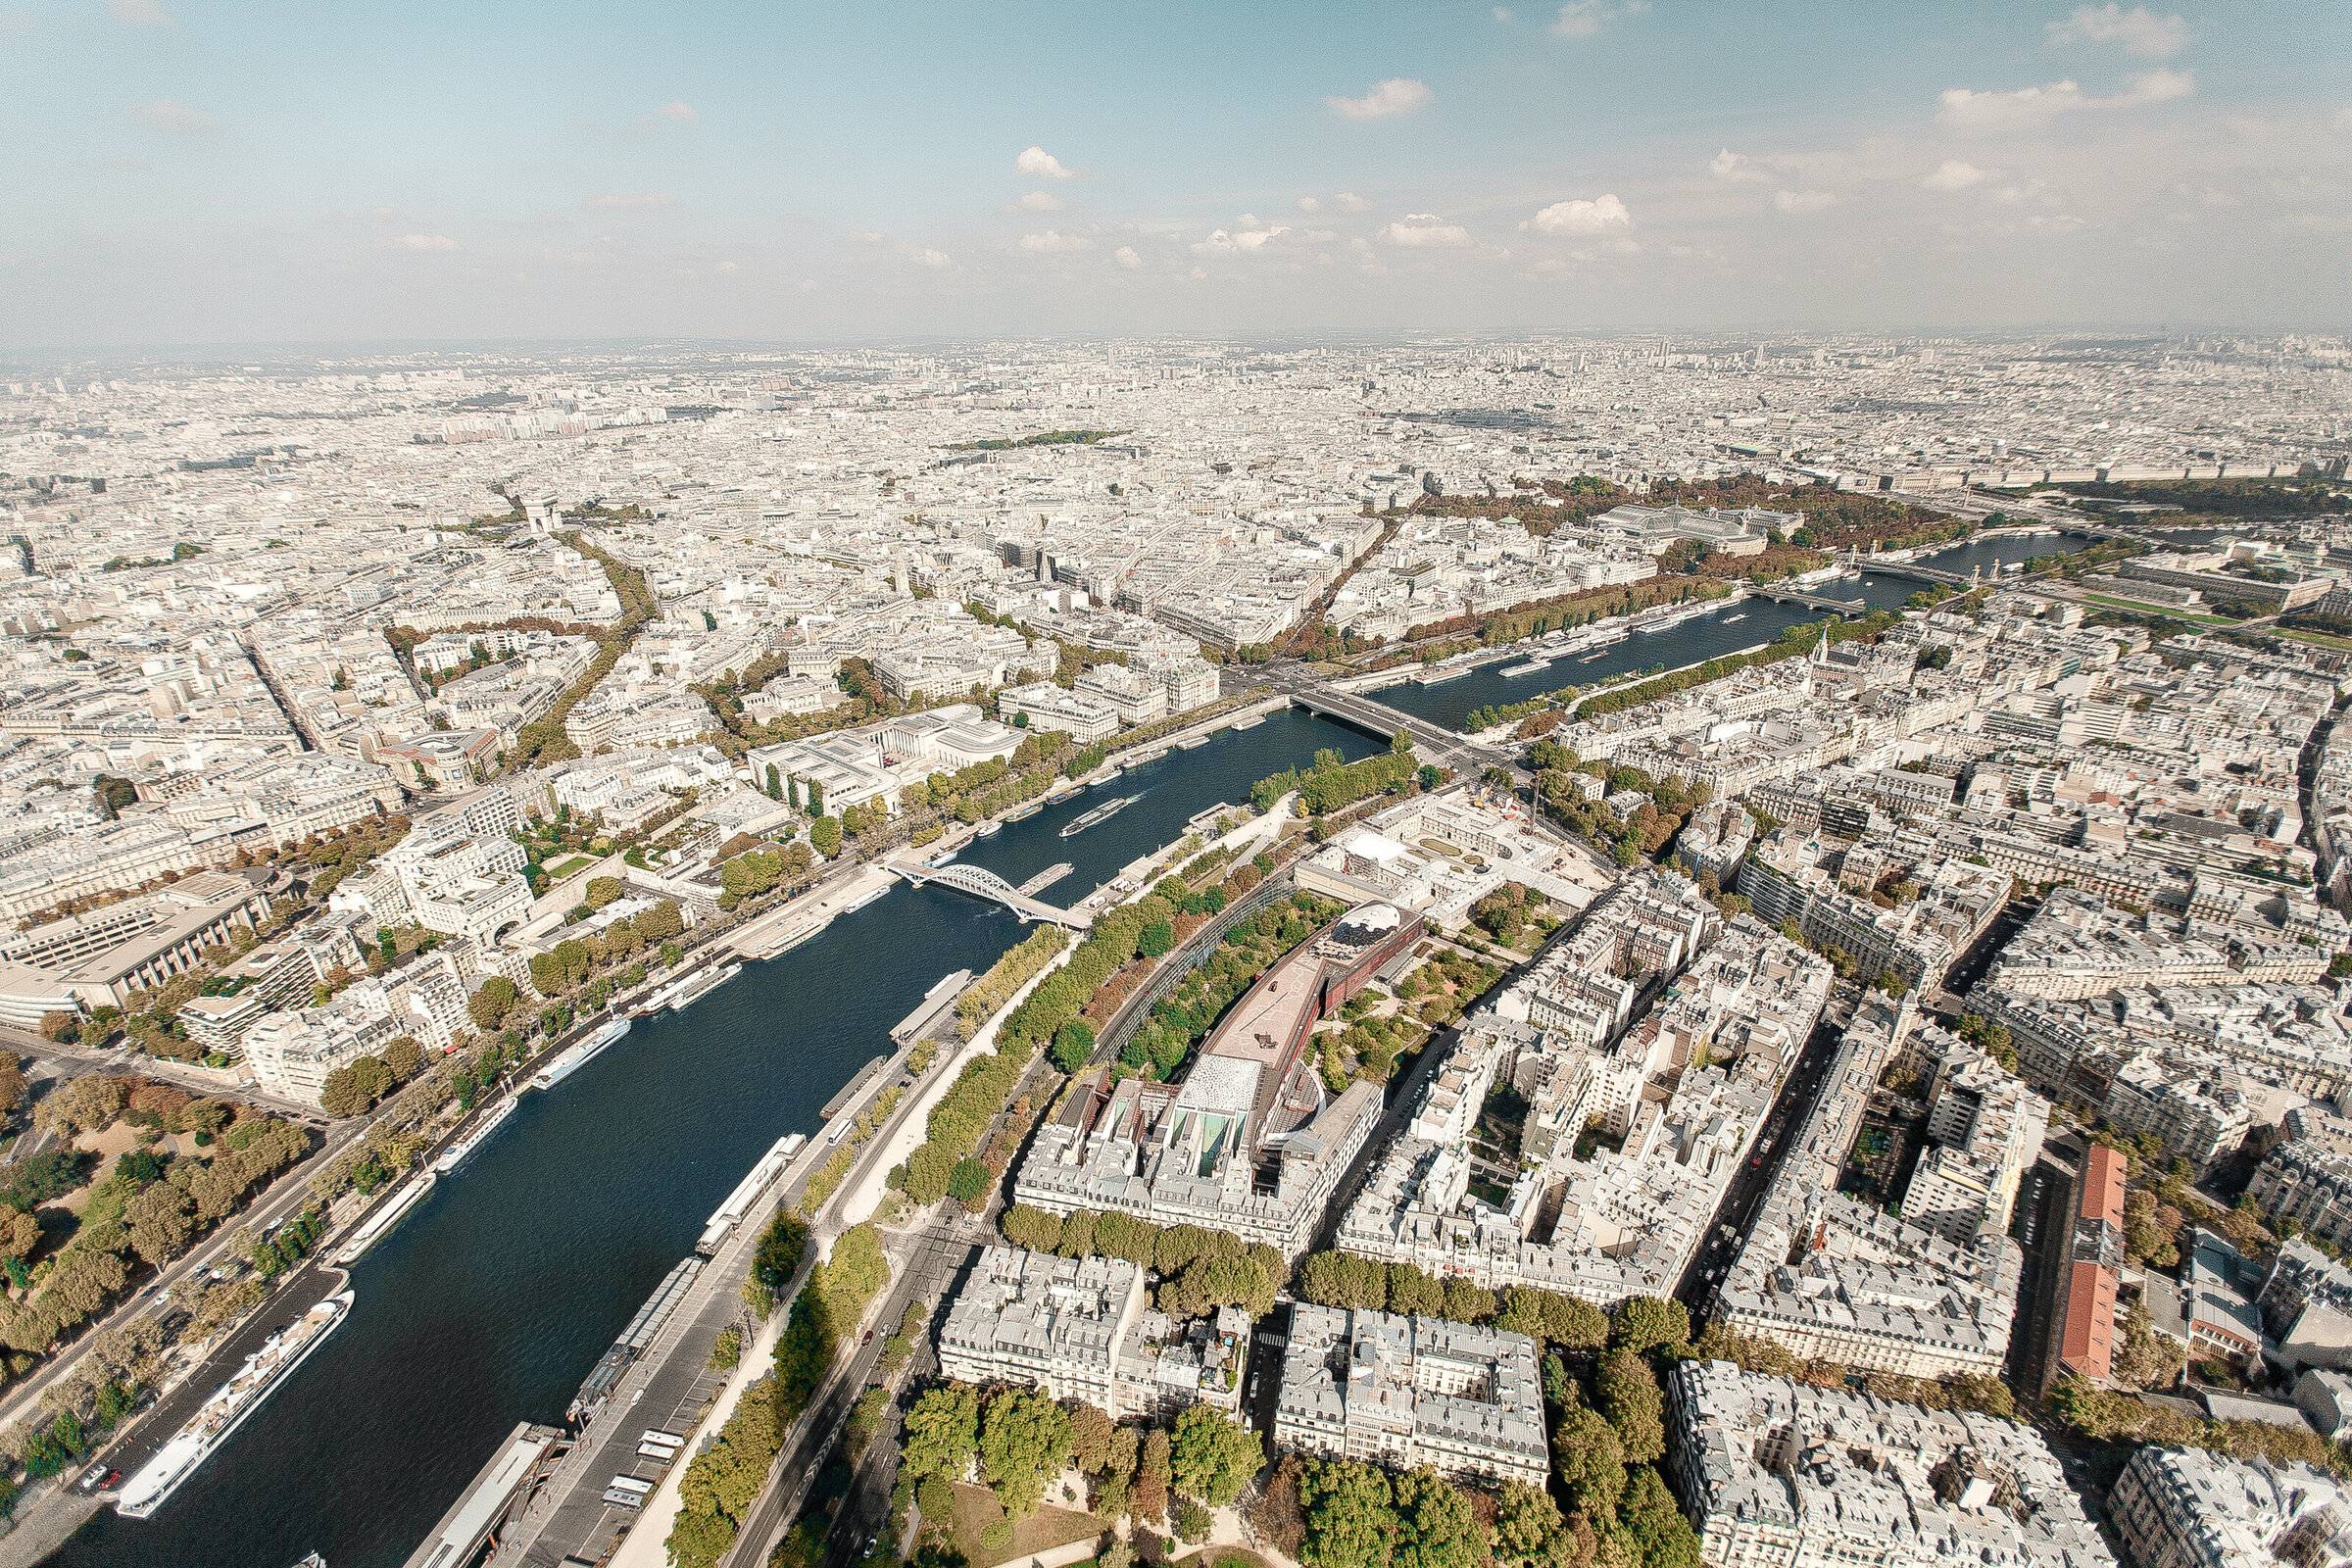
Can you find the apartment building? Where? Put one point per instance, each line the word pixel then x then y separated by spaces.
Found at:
pixel 2188 1507
pixel 1405 1391
pixel 1780 1473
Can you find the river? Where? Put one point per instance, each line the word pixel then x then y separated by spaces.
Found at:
pixel 496 1296
pixel 1713 635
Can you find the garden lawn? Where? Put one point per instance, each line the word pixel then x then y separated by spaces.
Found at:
pixel 579 863
pixel 977 1508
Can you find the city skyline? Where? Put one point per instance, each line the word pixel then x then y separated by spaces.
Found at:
pixel 193 174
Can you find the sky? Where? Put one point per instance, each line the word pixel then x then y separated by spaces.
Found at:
pixel 181 172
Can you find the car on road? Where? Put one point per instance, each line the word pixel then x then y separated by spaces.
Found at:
pixel 869 1338
pixel 92 1477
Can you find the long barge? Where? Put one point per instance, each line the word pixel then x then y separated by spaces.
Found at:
pixel 575 1057
pixel 454 1154
pixel 379 1224
pixel 219 1416
pixel 1081 823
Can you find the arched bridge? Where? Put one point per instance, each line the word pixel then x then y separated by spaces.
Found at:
pixel 981 883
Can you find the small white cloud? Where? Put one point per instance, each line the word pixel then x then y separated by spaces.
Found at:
pixel 864 237
pixel 807 286
pixel 420 243
pixel 1247 237
pixel 1125 255
pixel 729 267
pixel 1969 110
pixel 177 119
pixel 1954 174
pixel 1603 216
pixel 1308 204
pixel 631 202
pixel 1048 242
pixel 679 111
pixel 1398 95
pixel 1801 201
pixel 1039 163
pixel 2140 30
pixel 1039 201
pixel 383 214
pixel 935 260
pixel 1502 13
pixel 1731 165
pixel 1425 230
pixel 1348 201
pixel 1583 18
pixel 139 13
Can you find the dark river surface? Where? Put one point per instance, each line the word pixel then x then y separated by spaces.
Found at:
pixel 1729 630
pixel 493 1298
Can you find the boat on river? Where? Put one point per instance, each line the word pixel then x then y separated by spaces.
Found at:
pixel 454 1154
pixel 988 830
pixel 1436 677
pixel 1532 666
pixel 1080 824
pixel 1026 811
pixel 1192 743
pixel 1060 796
pixel 219 1416
pixel 1251 722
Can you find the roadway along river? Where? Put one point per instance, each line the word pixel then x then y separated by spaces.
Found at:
pixel 495 1297
pixel 1709 636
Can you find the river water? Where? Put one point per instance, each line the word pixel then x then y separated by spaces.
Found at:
pixel 1713 635
pixel 494 1297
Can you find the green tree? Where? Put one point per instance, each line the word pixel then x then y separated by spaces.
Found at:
pixel 489 1004
pixel 1661 1537
pixel 1436 1527
pixel 602 890
pixel 1350 1520
pixel 1630 1399
pixel 940 1434
pixel 1073 1044
pixel 1529 1532
pixel 1212 1457
pixel 1024 1437
pixel 1590 1462
pixel 1091 1430
pixel 1154 1470
pixel 824 836
pixel 1644 1322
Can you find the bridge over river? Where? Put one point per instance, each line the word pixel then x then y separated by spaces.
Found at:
pixel 981 883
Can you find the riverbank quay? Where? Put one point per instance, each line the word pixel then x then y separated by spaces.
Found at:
pixel 933 1251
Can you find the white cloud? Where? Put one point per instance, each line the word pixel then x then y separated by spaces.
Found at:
pixel 1398 95
pixel 1729 165
pixel 1603 216
pixel 1308 204
pixel 935 260
pixel 1954 174
pixel 864 237
pixel 1039 201
pixel 2140 30
pixel 679 111
pixel 1801 201
pixel 1582 19
pixel 1425 230
pixel 177 119
pixel 1247 237
pixel 1348 201
pixel 1048 242
pixel 1989 110
pixel 1502 13
pixel 1039 163
pixel 139 13
pixel 631 201
pixel 1125 255
pixel 729 267
pixel 420 243
pixel 383 214
pixel 807 285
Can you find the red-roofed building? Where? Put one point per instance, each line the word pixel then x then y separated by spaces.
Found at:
pixel 2094 1266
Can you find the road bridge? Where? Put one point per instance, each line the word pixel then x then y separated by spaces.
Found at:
pixel 982 883
pixel 1855 561
pixel 1431 743
pixel 1781 595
